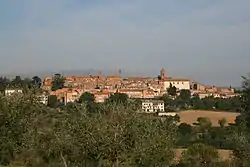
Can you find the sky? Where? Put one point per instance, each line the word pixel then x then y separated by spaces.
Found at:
pixel 205 40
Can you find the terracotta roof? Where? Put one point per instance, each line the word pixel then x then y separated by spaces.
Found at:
pixel 138 78
pixel 118 77
pixel 152 101
pixel 130 90
pixel 176 79
pixel 102 93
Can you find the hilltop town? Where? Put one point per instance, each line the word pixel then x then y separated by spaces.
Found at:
pixel 135 87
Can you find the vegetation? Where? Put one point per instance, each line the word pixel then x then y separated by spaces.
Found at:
pixel 25 84
pixel 200 155
pixel 172 91
pixel 185 101
pixel 113 134
pixel 58 82
pixel 35 135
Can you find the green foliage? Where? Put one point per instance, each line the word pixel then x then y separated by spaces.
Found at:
pixel 118 98
pixel 186 101
pixel 58 82
pixel 172 91
pixel 241 137
pixel 35 135
pixel 86 97
pixel 204 123
pixel 246 101
pixel 185 128
pixel 4 82
pixel 36 81
pixel 185 95
pixel 200 155
pixel 222 122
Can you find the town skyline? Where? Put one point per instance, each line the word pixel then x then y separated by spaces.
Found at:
pixel 235 81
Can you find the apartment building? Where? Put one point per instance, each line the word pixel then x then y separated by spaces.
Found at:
pixel 152 106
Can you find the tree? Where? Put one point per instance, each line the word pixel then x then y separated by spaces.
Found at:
pixel 245 98
pixel 241 137
pixel 36 81
pixel 208 103
pixel 200 155
pixel 196 102
pixel 118 98
pixel 57 82
pixel 222 122
pixel 87 98
pixel 17 82
pixel 168 102
pixel 172 91
pixel 185 128
pixel 4 82
pixel 204 126
pixel 185 95
pixel 204 123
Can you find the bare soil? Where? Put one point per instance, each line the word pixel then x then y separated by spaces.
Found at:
pixel 224 154
pixel 191 116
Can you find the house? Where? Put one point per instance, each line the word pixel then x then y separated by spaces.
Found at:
pixel 9 92
pixel 179 83
pixel 66 95
pixel 132 93
pixel 204 95
pixel 100 97
pixel 47 83
pixel 72 95
pixel 153 106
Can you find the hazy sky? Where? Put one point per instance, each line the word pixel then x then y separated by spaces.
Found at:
pixel 206 40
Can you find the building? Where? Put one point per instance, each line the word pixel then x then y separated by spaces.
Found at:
pixel 9 92
pixel 132 93
pixel 66 95
pixel 43 98
pixel 179 83
pixel 47 83
pixel 100 97
pixel 153 106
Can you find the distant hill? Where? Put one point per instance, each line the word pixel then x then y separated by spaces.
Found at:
pixel 83 72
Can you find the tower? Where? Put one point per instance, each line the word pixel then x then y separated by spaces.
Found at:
pixel 162 73
pixel 100 75
pixel 120 72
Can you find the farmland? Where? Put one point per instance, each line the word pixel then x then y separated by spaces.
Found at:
pixel 191 116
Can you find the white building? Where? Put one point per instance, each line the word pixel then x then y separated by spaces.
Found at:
pixel 9 92
pixel 180 84
pixel 43 99
pixel 152 106
pixel 167 114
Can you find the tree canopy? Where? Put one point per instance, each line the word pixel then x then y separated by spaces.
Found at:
pixel 57 82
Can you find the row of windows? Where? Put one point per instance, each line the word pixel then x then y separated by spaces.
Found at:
pixel 176 82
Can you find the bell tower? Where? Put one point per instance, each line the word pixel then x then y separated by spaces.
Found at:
pixel 162 73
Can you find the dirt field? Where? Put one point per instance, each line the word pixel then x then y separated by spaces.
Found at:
pixel 224 154
pixel 191 116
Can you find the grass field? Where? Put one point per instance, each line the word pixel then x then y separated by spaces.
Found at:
pixel 191 116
